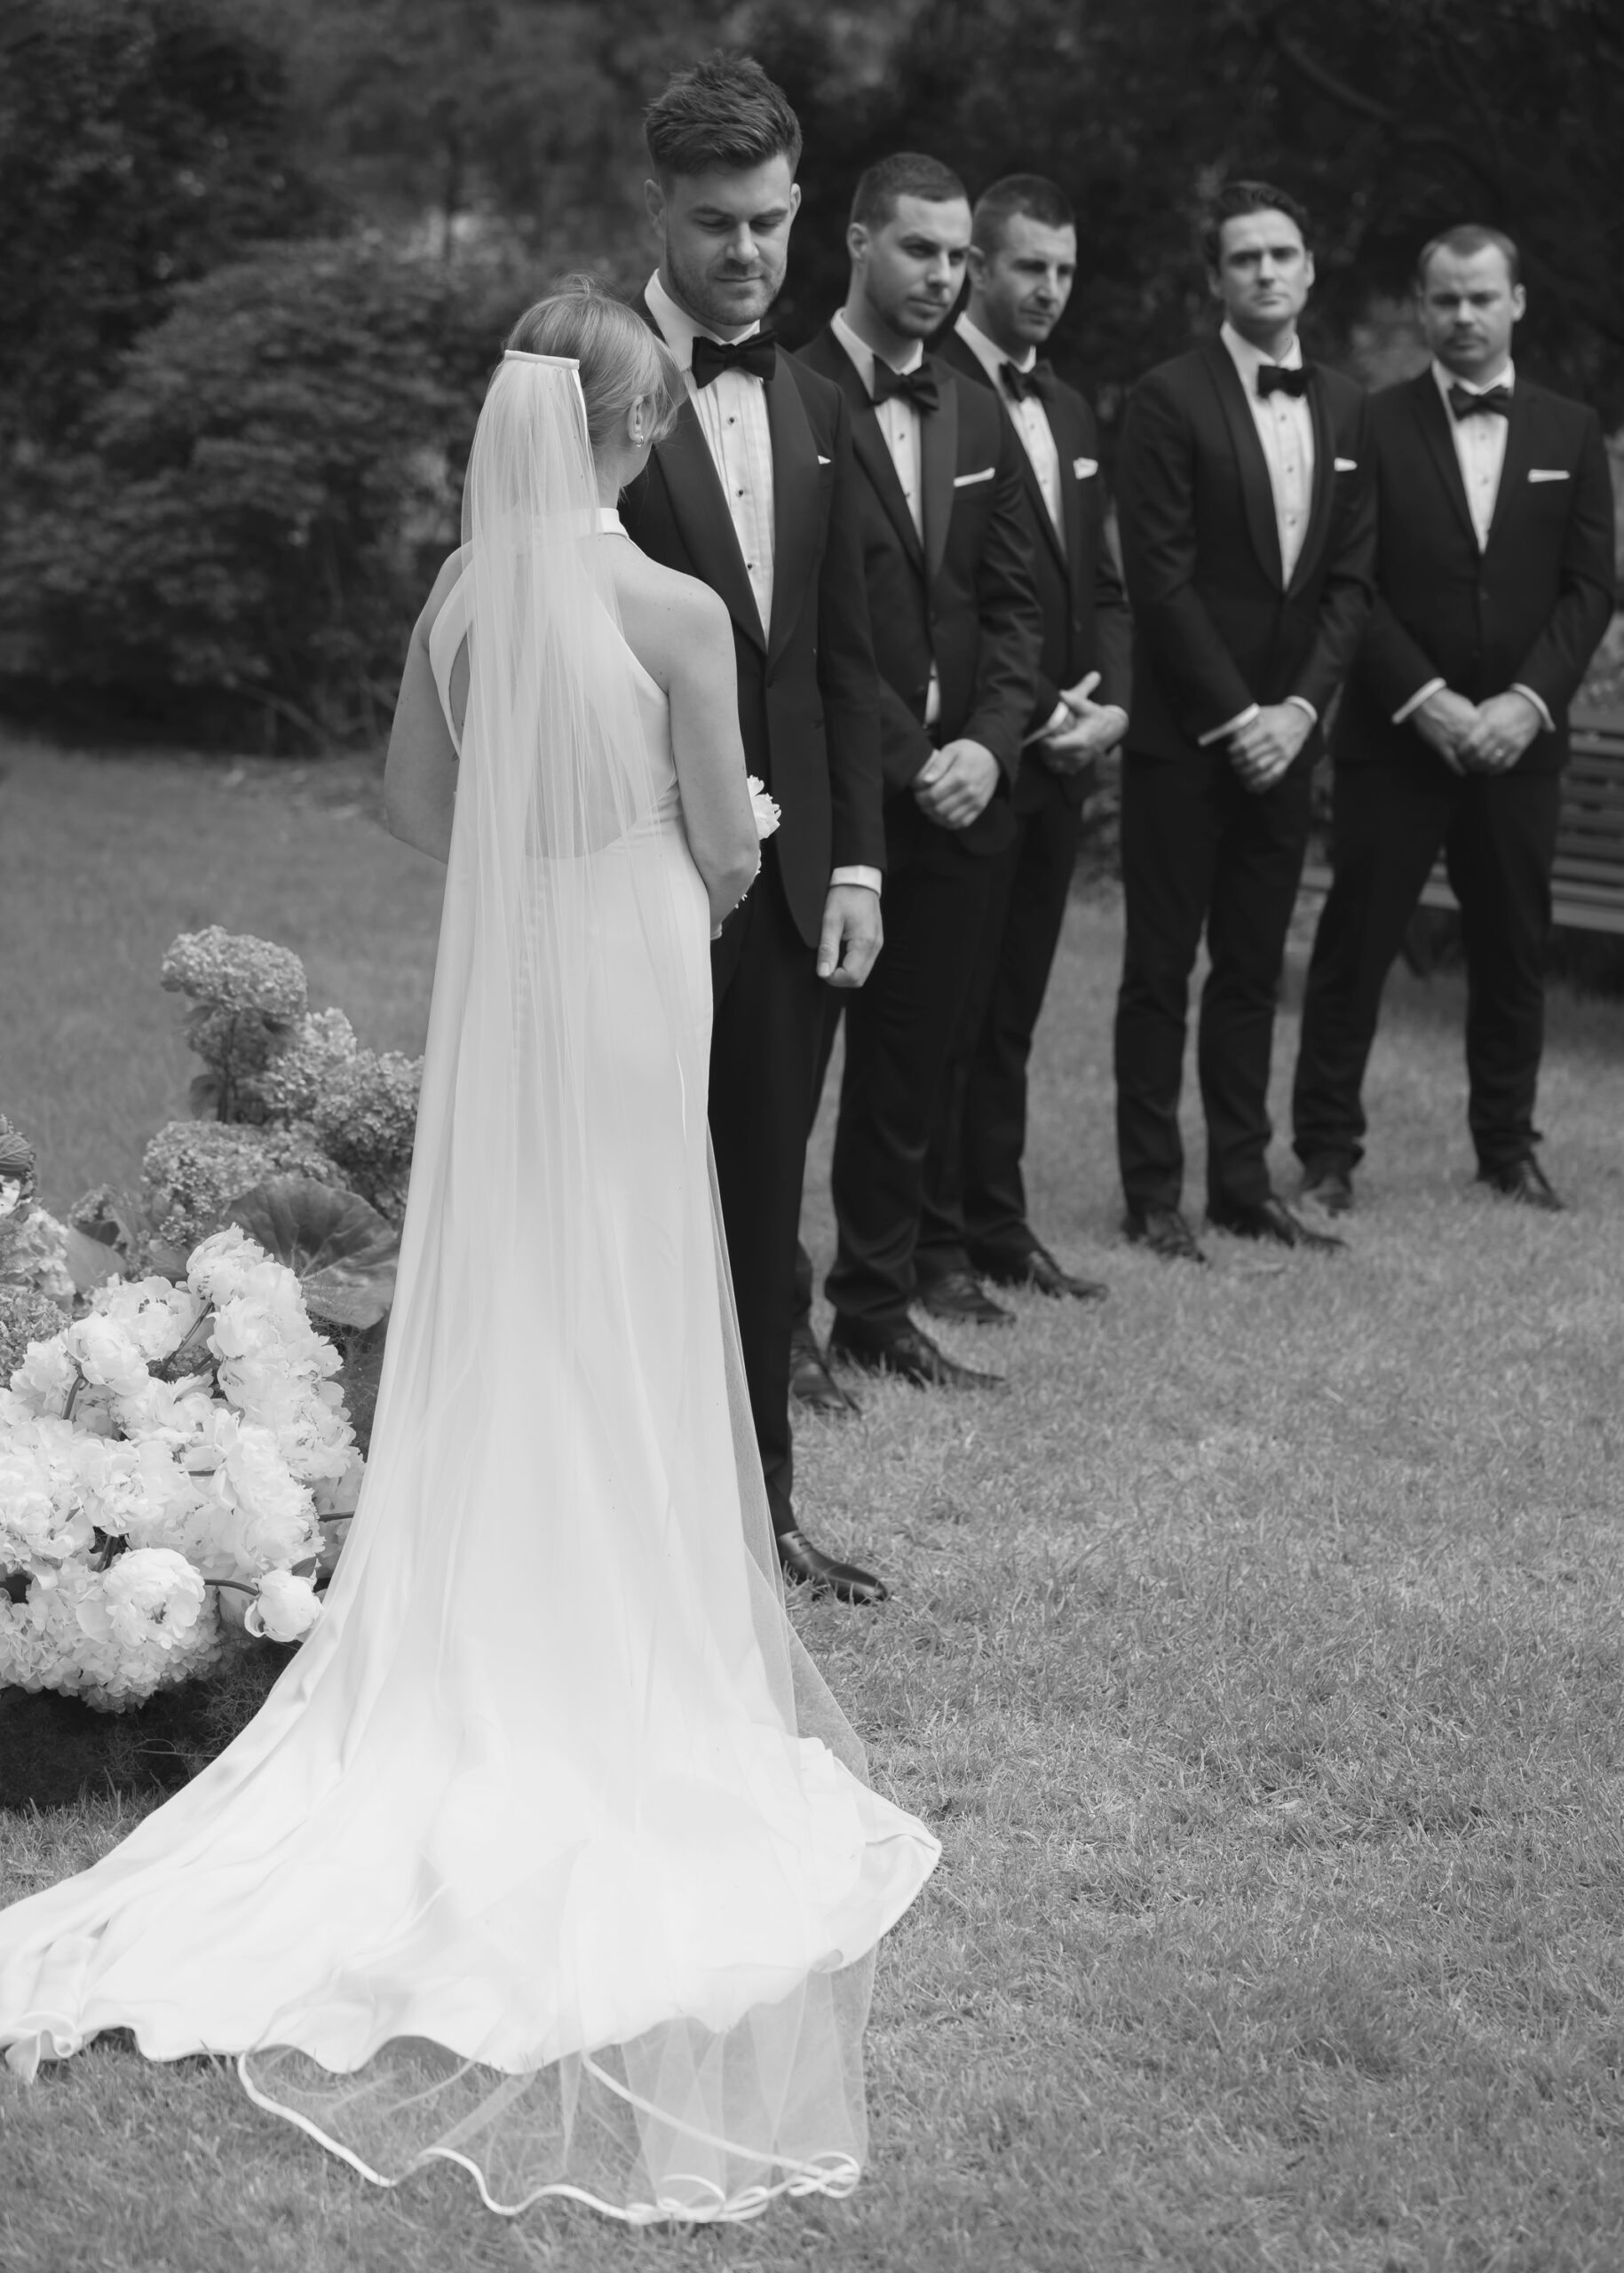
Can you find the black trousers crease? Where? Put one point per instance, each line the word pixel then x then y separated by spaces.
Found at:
pixel 1202 852
pixel 1498 835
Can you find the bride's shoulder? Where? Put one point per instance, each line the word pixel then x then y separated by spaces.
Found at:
pixel 672 621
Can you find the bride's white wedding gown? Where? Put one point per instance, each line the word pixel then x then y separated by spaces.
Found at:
pixel 549 1852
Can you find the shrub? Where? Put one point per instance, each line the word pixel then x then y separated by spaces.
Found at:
pixel 265 495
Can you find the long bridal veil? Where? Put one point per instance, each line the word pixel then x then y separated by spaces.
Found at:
pixel 549 1853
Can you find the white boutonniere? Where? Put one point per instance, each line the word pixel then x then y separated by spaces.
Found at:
pixel 765 808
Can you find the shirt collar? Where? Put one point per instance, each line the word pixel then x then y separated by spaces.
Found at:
pixel 680 328
pixel 988 353
pixel 1248 360
pixel 864 357
pixel 1446 379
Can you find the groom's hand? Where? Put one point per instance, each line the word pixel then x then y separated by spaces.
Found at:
pixel 853 935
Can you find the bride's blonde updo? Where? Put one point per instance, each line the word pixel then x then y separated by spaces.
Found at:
pixel 622 359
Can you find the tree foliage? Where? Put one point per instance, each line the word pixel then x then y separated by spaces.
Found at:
pixel 260 254
pixel 1391 120
pixel 142 143
pixel 266 490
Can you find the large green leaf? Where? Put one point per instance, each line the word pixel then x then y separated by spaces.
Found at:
pixel 342 1251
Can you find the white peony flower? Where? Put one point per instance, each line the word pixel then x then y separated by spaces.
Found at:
pixel 174 1414
pixel 149 1598
pixel 218 1265
pixel 108 1354
pixel 265 1517
pixel 284 1609
pixel 765 809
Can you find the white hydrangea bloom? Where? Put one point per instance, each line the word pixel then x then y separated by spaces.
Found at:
pixel 46 1376
pixel 219 1264
pixel 107 1353
pixel 155 1314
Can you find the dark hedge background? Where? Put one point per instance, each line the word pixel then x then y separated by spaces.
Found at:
pixel 258 259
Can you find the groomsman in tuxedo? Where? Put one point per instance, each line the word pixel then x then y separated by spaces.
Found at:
pixel 1247 525
pixel 756 494
pixel 1494 584
pixel 947 566
pixel 1023 262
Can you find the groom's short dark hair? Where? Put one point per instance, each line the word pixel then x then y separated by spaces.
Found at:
pixel 1237 197
pixel 1030 195
pixel 721 111
pixel 907 173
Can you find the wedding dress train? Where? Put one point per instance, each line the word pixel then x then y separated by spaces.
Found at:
pixel 549 1852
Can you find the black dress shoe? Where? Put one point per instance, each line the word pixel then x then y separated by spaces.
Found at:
pixel 1329 1184
pixel 1269 1219
pixel 811 1382
pixel 906 1352
pixel 1523 1180
pixel 960 1294
pixel 806 1565
pixel 1166 1233
pixel 1038 1268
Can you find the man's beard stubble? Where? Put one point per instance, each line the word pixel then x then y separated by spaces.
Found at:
pixel 692 287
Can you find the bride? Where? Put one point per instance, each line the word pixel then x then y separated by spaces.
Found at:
pixel 549 1853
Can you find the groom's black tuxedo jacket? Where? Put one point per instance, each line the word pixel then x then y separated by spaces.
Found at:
pixel 808 700
pixel 1530 607
pixel 963 600
pixel 1086 623
pixel 1216 627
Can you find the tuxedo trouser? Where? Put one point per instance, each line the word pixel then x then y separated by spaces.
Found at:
pixel 1199 850
pixel 899 1028
pixel 975 1199
pixel 1498 835
pixel 764 1043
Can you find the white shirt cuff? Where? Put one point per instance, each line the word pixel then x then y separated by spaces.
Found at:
pixel 1301 702
pixel 1241 718
pixel 1059 718
pixel 1421 695
pixel 870 879
pixel 1546 720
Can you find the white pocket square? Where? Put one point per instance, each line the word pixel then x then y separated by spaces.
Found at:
pixel 823 461
pixel 964 480
pixel 1083 467
pixel 1548 473
pixel 1345 466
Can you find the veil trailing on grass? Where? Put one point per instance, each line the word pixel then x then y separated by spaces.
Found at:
pixel 549 1853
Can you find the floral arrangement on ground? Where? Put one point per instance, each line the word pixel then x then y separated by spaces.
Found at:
pixel 192 1370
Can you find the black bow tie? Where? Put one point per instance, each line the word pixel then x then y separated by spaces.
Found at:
pixel 1494 402
pixel 756 356
pixel 1038 381
pixel 1274 378
pixel 917 387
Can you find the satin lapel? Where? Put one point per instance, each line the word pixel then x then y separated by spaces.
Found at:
pixel 876 461
pixel 1325 482
pixel 953 352
pixel 1432 415
pixel 939 462
pixel 795 490
pixel 1255 486
pixel 701 511
pixel 1513 466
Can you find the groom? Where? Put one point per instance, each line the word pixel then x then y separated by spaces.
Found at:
pixel 755 494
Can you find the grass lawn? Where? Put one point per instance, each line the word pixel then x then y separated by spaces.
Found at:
pixel 1256 1655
